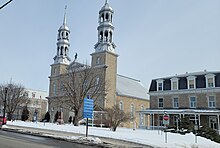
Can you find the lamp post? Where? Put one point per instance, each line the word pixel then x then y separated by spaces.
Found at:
pixel 6 91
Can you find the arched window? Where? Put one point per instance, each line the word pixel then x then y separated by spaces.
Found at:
pixel 132 112
pixel 106 16
pixel 110 36
pixel 62 34
pixel 121 106
pixel 106 35
pixel 65 51
pixel 61 51
pixel 101 36
pixel 102 17
pixel 142 116
pixel 98 60
pixel 67 35
pixel 54 88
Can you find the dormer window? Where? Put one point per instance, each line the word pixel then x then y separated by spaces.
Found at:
pixel 210 80
pixel 174 84
pixel 191 82
pixel 160 85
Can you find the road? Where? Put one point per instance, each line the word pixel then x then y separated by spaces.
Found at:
pixel 16 140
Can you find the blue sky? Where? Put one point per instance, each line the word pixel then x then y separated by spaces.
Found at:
pixel 154 38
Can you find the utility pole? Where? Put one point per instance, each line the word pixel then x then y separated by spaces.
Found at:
pixel 6 91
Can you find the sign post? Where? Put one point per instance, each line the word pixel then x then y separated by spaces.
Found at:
pixel 88 111
pixel 166 122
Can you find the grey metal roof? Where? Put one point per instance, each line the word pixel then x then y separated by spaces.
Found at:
pixel 129 87
pixel 191 74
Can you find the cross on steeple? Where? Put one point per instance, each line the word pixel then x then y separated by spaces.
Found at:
pixel 64 19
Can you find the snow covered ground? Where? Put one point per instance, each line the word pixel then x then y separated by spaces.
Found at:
pixel 148 137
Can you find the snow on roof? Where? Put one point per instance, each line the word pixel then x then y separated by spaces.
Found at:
pixel 192 74
pixel 130 87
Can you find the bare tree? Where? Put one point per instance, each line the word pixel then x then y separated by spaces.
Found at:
pixel 115 116
pixel 15 96
pixel 79 83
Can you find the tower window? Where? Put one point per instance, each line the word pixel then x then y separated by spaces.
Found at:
pixel 67 34
pixel 101 36
pixel 61 51
pixel 106 36
pixel 98 60
pixel 62 34
pixel 106 16
pixel 102 18
pixel 65 51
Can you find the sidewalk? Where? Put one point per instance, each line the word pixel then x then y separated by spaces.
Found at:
pixel 74 137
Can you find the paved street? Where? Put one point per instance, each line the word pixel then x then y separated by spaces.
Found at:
pixel 16 140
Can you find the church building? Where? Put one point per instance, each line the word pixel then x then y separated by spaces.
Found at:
pixel 128 93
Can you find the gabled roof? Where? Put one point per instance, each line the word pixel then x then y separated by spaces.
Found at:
pixel 129 87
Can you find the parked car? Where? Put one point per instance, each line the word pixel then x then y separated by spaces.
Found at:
pixel 1 120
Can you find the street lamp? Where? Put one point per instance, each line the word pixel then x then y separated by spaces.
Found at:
pixel 6 91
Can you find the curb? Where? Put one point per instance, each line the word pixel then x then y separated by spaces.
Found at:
pixel 101 145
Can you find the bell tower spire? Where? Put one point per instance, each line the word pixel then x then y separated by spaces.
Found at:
pixel 105 30
pixel 63 45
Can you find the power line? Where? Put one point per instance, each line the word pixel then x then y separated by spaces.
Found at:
pixel 6 4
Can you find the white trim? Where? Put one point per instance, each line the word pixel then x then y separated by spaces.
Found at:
pixel 185 91
pixel 208 100
pixel 189 78
pixel 177 83
pixel 158 102
pixel 177 102
pixel 159 81
pixel 190 102
pixel 213 79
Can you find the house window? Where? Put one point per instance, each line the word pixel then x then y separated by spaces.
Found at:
pixel 213 122
pixel 160 102
pixel 212 103
pixel 192 102
pixel 175 102
pixel 160 85
pixel 191 82
pixel 121 107
pixel 210 80
pixel 174 83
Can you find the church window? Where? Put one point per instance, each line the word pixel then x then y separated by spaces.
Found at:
pixel 61 51
pixel 65 51
pixel 121 106
pixel 101 36
pixel 102 18
pixel 54 89
pixel 107 16
pixel 106 36
pixel 58 50
pixel 67 35
pixel 132 112
pixel 110 36
pixel 98 60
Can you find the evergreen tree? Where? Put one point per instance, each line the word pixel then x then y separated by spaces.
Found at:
pixel 25 114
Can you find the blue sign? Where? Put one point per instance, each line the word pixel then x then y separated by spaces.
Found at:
pixel 88 108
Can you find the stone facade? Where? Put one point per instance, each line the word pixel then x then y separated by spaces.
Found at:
pixel 195 95
pixel 104 63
